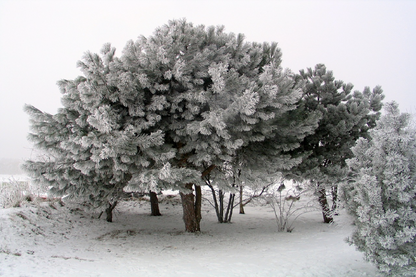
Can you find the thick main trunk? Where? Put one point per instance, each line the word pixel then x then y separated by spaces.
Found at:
pixel 191 209
pixel 326 212
pixel 154 204
pixel 192 204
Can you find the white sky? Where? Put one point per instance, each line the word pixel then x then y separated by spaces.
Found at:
pixel 367 43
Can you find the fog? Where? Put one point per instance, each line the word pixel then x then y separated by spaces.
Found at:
pixel 367 43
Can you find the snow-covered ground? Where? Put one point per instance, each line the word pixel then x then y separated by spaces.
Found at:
pixel 15 177
pixel 47 239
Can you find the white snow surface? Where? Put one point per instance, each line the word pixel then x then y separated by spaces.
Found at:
pixel 48 239
pixel 15 177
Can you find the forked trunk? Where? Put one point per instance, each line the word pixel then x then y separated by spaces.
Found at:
pixel 326 212
pixel 109 211
pixel 154 204
pixel 191 209
pixel 219 205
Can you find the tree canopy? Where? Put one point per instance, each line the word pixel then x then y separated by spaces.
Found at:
pixel 172 108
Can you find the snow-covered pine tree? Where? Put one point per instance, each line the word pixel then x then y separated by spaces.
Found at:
pixel 346 117
pixel 381 194
pixel 171 109
pixel 216 95
pixel 99 139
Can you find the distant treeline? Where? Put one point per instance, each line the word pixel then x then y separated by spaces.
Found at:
pixel 11 166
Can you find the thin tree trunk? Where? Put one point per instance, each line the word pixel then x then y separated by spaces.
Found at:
pixel 221 200
pixel 154 204
pixel 217 208
pixel 189 212
pixel 229 212
pixel 241 200
pixel 109 211
pixel 326 212
pixel 334 192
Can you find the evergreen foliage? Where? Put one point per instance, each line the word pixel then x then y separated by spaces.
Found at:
pixel 381 194
pixel 346 116
pixel 173 108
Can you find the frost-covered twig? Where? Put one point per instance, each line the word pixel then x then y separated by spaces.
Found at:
pixel 13 192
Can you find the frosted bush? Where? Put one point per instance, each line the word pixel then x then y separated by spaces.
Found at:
pixel 381 194
pixel 13 192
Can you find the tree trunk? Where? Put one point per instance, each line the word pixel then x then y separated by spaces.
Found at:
pixel 334 192
pixel 216 207
pixel 109 211
pixel 198 204
pixel 326 212
pixel 221 199
pixel 191 209
pixel 154 204
pixel 230 207
pixel 219 207
pixel 241 200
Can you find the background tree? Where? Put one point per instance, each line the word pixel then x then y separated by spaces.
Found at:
pixel 381 194
pixel 346 117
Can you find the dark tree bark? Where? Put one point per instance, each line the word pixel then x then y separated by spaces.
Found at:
pixel 241 200
pixel 154 204
pixel 198 204
pixel 334 192
pixel 190 210
pixel 229 212
pixel 242 203
pixel 109 211
pixel 221 200
pixel 191 204
pixel 219 205
pixel 216 207
pixel 326 212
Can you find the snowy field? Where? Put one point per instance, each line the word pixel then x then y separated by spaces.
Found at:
pixel 8 178
pixel 47 239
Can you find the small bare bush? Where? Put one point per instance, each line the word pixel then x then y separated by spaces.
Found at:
pixel 287 205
